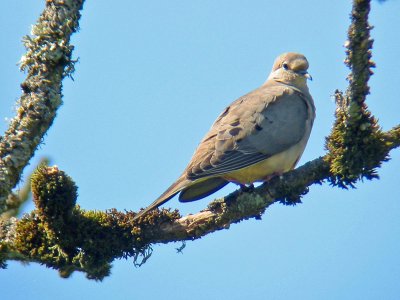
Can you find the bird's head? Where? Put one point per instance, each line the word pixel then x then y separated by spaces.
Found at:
pixel 291 68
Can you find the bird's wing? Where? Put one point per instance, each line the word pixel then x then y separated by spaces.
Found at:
pixel 258 125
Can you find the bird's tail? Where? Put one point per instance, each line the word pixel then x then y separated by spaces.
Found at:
pixel 175 188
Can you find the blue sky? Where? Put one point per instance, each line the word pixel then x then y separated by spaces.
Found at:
pixel 152 77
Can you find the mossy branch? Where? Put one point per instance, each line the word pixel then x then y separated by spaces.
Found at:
pixel 65 237
pixel 61 235
pixel 356 146
pixel 47 61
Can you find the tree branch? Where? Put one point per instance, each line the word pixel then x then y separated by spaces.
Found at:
pixel 47 62
pixel 16 200
pixel 70 239
pixel 356 144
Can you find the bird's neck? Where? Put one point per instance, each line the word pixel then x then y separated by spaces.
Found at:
pixel 298 84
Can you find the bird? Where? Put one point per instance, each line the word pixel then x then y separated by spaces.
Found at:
pixel 260 135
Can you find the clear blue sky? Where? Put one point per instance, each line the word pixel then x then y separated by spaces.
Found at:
pixel 152 77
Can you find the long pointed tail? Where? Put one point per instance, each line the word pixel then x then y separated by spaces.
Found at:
pixel 175 188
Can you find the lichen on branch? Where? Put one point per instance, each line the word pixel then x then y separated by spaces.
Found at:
pixel 356 145
pixel 46 62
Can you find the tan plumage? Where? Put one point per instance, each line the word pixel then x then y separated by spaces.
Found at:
pixel 260 135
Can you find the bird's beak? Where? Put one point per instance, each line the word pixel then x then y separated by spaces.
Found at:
pixel 305 74
pixel 308 76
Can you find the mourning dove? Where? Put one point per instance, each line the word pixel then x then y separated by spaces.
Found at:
pixel 260 135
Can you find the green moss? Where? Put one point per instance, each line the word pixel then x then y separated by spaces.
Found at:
pixel 90 242
pixel 61 235
pixel 233 206
pixel 35 241
pixel 356 144
pixel 54 193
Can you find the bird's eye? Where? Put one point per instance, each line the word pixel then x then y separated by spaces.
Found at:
pixel 285 66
